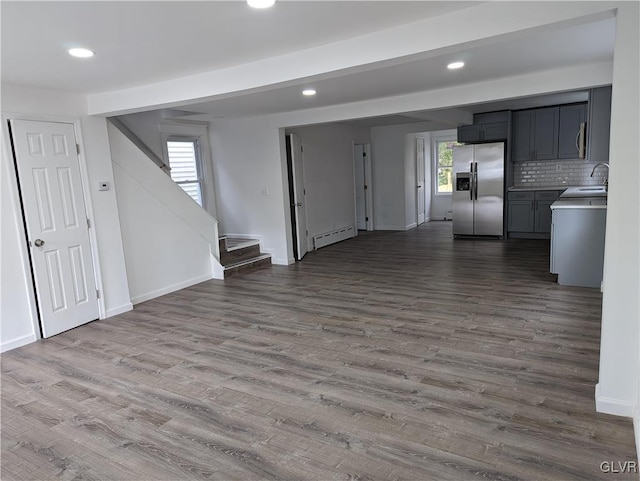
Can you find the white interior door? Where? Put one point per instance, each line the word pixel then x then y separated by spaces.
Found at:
pixel 299 195
pixel 56 221
pixel 359 157
pixel 420 200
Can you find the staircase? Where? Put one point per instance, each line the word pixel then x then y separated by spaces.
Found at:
pixel 238 256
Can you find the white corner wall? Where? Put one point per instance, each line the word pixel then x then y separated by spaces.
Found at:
pixel 388 166
pixel 617 390
pixel 167 237
pixel 106 220
pixel 18 315
pixel 250 182
pixel 393 155
pixel 328 175
pixel 145 126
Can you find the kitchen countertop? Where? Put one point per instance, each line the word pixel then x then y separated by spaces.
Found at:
pixel 580 203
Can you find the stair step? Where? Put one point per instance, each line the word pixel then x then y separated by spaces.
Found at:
pixel 229 244
pixel 239 254
pixel 246 265
pixel 235 244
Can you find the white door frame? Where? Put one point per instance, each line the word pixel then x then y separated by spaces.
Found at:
pixel 17 207
pixel 296 141
pixel 368 179
pixel 421 199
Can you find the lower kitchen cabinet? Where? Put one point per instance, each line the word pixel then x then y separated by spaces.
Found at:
pixel 529 213
pixel 520 209
pixel 577 246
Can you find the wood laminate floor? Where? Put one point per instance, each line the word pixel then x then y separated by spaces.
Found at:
pixel 392 356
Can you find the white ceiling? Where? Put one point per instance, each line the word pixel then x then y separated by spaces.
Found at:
pixel 149 41
pixel 138 43
pixel 592 42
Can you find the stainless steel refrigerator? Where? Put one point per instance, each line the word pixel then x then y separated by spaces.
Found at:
pixel 478 189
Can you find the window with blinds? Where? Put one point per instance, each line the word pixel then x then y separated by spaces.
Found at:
pixel 184 160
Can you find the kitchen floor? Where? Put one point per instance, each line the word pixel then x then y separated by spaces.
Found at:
pixel 395 355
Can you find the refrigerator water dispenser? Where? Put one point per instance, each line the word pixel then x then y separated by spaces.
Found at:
pixel 462 181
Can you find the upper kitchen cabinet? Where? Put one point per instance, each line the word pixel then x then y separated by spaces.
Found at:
pixel 487 127
pixel 599 124
pixel 572 134
pixel 535 134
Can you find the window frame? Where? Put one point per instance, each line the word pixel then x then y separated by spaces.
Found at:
pixel 198 164
pixel 199 131
pixel 436 162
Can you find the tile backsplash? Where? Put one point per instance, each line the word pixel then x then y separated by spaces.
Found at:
pixel 560 173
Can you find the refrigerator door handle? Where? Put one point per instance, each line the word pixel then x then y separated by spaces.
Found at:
pixel 471 186
pixel 475 180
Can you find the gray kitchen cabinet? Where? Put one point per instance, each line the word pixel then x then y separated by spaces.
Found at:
pixel 469 134
pixel 543 201
pixel 571 118
pixel 599 124
pixel 522 137
pixel 535 134
pixel 520 215
pixel 487 127
pixel 529 213
pixel 577 246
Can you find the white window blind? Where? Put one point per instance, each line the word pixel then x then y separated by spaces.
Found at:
pixel 184 161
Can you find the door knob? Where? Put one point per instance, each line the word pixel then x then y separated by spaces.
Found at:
pixel 39 242
pixel 299 204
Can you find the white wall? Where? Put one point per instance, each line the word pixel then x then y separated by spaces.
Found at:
pixel 394 174
pixel 617 391
pixel 167 237
pixel 18 315
pixel 250 183
pixel 441 204
pixel 145 126
pixel 388 169
pixel 328 172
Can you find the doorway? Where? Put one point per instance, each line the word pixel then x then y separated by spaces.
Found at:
pixel 362 186
pixel 297 196
pixel 56 224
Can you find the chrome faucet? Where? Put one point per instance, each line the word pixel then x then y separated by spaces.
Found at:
pixel 606 180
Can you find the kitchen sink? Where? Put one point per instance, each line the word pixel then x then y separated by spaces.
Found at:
pixel 587 191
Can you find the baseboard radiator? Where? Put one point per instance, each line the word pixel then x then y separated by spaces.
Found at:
pixel 328 238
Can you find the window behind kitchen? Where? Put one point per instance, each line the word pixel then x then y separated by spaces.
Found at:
pixel 444 165
pixel 186 171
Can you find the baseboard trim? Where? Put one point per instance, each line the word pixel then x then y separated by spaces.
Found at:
pixel 168 290
pixel 17 342
pixel 114 311
pixel 390 227
pixel 636 430
pixel 617 407
pixel 282 261
pixel 413 225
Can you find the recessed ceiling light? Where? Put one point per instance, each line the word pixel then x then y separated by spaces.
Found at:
pixel 455 65
pixel 308 92
pixel 81 52
pixel 260 3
